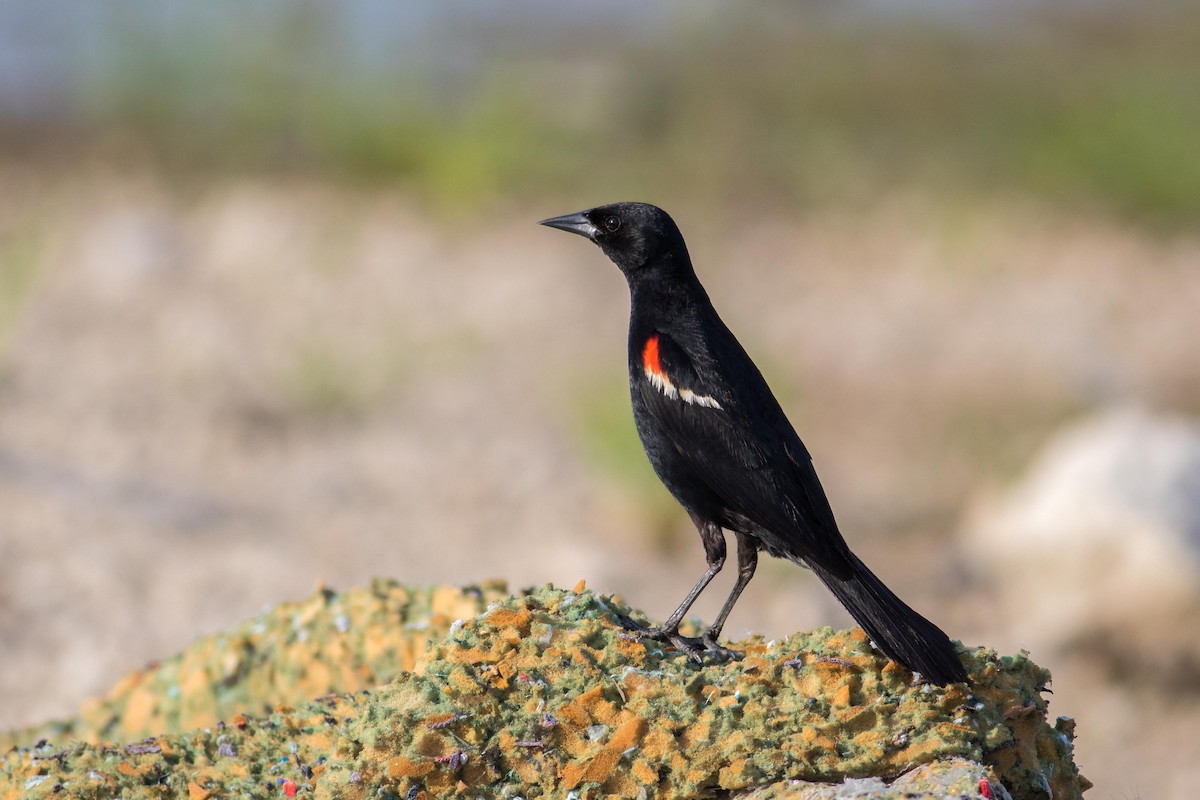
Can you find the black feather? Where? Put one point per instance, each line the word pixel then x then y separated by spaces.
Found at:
pixel 734 460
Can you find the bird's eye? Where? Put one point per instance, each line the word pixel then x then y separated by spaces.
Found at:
pixel 612 223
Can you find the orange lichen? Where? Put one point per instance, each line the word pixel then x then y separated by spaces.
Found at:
pixel 504 617
pixel 401 767
pixel 629 734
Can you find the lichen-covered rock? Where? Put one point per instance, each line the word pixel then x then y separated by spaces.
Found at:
pixel 289 653
pixel 547 695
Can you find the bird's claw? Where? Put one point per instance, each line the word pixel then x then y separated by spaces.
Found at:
pixel 713 646
pixel 694 647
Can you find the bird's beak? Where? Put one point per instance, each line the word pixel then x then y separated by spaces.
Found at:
pixel 575 223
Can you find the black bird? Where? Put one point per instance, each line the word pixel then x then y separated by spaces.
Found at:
pixel 723 447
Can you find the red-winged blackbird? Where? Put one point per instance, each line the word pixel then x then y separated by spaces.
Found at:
pixel 723 447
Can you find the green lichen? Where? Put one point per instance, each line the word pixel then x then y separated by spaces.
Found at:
pixel 547 694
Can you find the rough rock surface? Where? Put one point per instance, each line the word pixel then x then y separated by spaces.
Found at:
pixel 292 652
pixel 536 695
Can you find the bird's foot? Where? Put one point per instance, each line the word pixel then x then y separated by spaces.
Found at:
pixel 694 647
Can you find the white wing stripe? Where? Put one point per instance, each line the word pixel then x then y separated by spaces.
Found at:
pixel 664 385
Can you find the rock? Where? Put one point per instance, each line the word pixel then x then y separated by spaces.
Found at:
pixel 290 653
pixel 545 694
pixel 953 777
pixel 1102 533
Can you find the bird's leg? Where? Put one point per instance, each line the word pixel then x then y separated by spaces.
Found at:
pixel 747 553
pixel 714 552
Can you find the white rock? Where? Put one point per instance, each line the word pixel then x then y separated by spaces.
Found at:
pixel 1103 530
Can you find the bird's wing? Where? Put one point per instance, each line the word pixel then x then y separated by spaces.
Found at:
pixel 740 444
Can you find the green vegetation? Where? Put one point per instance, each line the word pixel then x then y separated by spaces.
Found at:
pixel 1092 107
pixel 603 426
pixel 19 261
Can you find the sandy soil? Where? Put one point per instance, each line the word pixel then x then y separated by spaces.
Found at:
pixel 212 399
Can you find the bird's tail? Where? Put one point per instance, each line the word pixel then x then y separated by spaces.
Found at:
pixel 903 634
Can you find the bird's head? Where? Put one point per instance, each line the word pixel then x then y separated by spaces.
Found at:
pixel 638 237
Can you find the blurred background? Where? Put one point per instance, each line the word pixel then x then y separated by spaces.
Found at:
pixel 274 310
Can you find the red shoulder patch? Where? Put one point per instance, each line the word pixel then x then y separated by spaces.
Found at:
pixel 650 356
pixel 658 378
